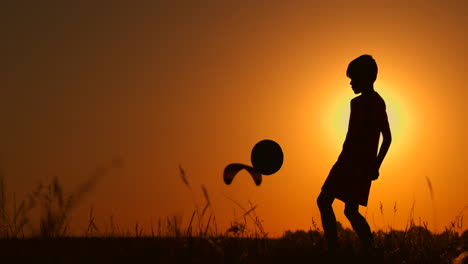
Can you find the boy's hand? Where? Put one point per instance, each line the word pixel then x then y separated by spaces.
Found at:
pixel 374 173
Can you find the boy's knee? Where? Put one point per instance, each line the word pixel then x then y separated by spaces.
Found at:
pixel 319 202
pixel 323 201
pixel 351 213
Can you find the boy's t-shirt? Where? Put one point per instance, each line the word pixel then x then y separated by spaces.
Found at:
pixel 349 178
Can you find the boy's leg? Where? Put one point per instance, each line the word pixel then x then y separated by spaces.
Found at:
pixel 324 202
pixel 359 224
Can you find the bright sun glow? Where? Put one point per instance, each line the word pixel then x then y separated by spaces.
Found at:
pixel 397 112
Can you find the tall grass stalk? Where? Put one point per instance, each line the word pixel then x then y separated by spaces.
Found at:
pixel 187 184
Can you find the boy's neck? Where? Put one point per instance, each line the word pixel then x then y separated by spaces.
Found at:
pixel 368 90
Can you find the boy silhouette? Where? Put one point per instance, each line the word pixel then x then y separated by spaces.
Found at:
pixel 358 164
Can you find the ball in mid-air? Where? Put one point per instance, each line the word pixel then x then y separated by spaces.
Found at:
pixel 267 157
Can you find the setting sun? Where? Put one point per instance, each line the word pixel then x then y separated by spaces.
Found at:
pixel 398 112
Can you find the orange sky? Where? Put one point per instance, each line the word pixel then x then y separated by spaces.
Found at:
pixel 198 85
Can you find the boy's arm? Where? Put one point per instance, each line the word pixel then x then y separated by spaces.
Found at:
pixel 387 140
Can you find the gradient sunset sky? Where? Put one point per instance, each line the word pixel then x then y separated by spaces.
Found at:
pixel 197 84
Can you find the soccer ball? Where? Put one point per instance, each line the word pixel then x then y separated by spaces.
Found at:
pixel 266 158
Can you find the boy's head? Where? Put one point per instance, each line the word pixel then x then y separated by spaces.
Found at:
pixel 362 71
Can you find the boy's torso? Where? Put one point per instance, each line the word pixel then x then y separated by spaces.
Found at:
pixel 362 140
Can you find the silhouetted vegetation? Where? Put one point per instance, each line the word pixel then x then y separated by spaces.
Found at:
pixel 201 241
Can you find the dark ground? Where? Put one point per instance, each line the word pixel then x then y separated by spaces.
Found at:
pixel 198 250
pixel 161 250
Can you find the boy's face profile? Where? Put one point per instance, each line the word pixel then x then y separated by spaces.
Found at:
pixel 358 84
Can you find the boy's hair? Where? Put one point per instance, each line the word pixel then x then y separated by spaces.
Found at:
pixel 363 67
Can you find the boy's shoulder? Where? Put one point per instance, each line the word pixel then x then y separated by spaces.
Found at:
pixel 372 99
pixel 379 100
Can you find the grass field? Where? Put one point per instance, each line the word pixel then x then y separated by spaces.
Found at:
pixel 200 241
pixel 416 246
